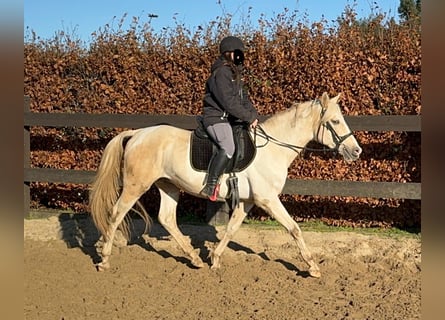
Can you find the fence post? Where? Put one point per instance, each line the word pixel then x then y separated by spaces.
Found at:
pixel 27 161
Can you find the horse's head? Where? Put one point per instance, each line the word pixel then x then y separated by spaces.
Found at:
pixel 334 132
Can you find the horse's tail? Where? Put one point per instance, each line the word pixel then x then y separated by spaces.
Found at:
pixel 105 188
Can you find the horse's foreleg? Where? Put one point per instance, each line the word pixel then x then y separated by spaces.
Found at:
pixel 167 218
pixel 277 211
pixel 234 224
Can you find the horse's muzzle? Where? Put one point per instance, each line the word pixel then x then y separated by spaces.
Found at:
pixel 350 154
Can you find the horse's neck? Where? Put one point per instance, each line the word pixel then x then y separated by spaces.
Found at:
pixel 288 129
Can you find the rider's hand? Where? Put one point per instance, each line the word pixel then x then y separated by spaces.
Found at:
pixel 254 124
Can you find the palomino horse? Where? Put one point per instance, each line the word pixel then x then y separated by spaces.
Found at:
pixel 159 155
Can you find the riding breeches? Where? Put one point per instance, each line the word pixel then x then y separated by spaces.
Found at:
pixel 222 134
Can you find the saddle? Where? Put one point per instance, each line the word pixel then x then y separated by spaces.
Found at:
pixel 202 148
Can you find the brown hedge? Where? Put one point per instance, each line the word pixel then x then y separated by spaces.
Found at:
pixel 375 63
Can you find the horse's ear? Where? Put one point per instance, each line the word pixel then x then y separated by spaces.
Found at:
pixel 324 100
pixel 336 98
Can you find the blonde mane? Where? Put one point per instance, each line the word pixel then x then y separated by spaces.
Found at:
pixel 285 119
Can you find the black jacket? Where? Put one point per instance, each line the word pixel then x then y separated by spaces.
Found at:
pixel 225 98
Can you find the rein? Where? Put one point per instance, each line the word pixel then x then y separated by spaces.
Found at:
pixel 263 134
pixel 337 139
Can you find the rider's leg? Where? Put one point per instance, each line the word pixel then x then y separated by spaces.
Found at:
pixel 223 135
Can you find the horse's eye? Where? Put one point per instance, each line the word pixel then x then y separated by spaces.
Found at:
pixel 335 121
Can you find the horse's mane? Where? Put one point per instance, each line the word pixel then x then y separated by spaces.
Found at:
pixel 292 114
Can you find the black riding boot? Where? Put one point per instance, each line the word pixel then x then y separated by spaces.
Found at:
pixel 216 168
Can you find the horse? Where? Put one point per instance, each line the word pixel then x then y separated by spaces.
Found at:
pixel 160 155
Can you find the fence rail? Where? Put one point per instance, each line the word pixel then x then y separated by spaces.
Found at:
pixel 57 120
pixel 370 189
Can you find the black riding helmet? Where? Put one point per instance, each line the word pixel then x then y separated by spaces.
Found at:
pixel 234 44
pixel 231 43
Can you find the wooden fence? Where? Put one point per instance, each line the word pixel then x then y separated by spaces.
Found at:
pixel 293 186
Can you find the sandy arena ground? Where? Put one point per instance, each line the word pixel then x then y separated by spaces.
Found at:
pixel 262 275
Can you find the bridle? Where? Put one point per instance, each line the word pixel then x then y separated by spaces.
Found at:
pixel 338 140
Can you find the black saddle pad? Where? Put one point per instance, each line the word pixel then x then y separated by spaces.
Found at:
pixel 202 149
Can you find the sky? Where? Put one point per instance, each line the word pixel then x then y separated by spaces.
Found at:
pixel 82 17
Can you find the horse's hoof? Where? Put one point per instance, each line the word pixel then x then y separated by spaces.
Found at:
pixel 216 263
pixel 195 259
pixel 198 263
pixel 215 267
pixel 315 273
pixel 102 266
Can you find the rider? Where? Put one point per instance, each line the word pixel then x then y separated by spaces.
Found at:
pixel 225 101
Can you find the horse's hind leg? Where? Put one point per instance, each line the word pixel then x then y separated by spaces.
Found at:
pixel 276 210
pixel 125 202
pixel 167 218
pixel 234 224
